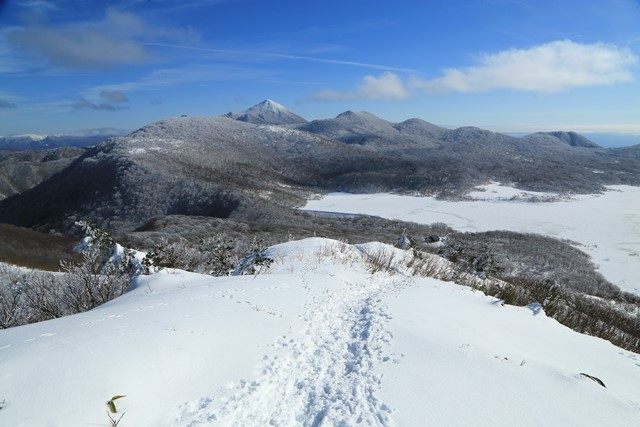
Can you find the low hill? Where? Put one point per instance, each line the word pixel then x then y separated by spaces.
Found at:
pixel 569 138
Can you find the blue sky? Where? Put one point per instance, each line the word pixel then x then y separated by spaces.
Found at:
pixel 506 65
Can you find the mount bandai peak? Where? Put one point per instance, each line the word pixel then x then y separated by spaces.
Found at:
pixel 268 112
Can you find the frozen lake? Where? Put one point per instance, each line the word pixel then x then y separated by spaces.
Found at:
pixel 607 226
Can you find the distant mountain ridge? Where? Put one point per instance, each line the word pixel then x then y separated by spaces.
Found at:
pixel 226 167
pixel 46 142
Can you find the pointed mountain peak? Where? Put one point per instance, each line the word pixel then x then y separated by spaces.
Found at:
pixel 269 104
pixel 268 112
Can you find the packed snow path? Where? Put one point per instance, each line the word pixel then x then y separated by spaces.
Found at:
pixel 319 340
pixel 325 374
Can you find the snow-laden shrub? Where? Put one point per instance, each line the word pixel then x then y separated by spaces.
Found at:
pixel 13 309
pixel 92 282
pixel 212 256
pixel 102 274
pixel 256 261
pixel 102 248
pixel 34 296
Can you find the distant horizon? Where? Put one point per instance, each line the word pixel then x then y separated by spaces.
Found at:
pixel 605 139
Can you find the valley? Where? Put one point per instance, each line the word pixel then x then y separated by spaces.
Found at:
pixel 606 226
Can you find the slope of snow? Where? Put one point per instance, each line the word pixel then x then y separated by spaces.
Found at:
pixel 318 341
pixel 607 226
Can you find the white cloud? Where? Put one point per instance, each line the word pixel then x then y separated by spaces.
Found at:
pixel 263 53
pixel 549 67
pixel 189 73
pixel 387 85
pixel 117 39
pixel 115 97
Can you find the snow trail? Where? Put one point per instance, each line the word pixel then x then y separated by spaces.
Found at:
pixel 326 375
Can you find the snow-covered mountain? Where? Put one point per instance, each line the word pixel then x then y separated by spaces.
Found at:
pixel 223 164
pixel 319 340
pixel 43 142
pixel 268 112
pixel 21 142
pixel 571 139
pixel 364 128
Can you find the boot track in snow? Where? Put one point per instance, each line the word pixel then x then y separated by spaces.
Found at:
pixel 326 376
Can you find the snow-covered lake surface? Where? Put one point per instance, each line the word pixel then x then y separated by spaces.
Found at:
pixel 607 226
pixel 318 341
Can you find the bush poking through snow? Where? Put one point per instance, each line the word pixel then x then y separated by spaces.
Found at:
pixel 382 260
pixel 13 310
pixel 103 248
pixel 428 265
pixel 212 256
pixel 92 282
pixel 256 261
pixel 34 296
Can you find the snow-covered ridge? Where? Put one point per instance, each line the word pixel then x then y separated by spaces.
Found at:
pixel 319 340
pixel 25 137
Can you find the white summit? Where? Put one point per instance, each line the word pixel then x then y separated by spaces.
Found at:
pixel 268 112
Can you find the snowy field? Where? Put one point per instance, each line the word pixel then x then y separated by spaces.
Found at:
pixel 606 226
pixel 316 341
